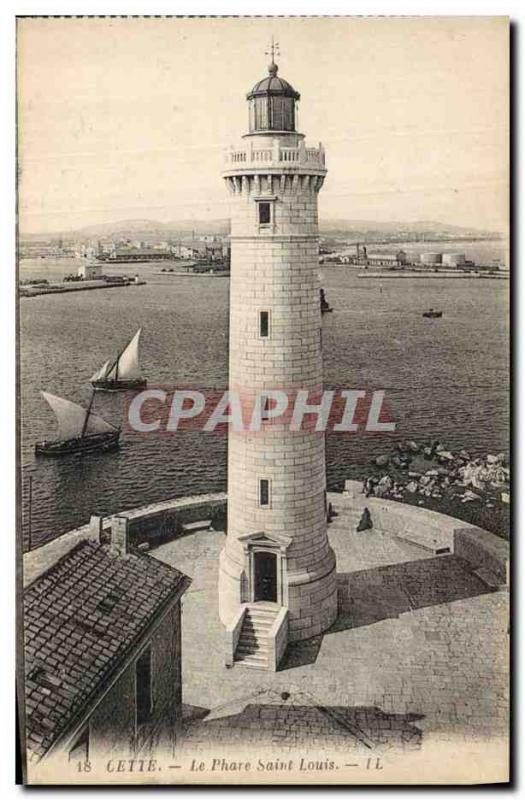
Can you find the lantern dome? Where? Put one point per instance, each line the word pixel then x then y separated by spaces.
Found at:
pixel 272 104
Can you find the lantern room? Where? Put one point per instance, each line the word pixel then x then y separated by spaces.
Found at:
pixel 272 104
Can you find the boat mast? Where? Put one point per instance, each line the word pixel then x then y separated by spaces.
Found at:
pixel 88 412
pixel 116 363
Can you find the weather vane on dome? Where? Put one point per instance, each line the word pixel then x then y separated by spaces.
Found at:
pixel 273 51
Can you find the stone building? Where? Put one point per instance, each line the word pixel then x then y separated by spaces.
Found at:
pixel 102 654
pixel 90 271
pixel 277 570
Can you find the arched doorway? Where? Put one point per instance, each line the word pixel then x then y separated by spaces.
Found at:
pixel 265 576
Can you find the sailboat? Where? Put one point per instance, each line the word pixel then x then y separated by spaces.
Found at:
pixel 80 430
pixel 123 373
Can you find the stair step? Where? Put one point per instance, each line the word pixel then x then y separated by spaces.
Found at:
pixel 249 636
pixel 261 623
pixel 254 644
pixel 252 648
pixel 258 630
pixel 258 661
pixel 260 641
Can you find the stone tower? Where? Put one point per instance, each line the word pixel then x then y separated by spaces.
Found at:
pixel 277 570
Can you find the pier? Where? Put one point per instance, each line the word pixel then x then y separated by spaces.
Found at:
pixel 405 273
pixel 33 290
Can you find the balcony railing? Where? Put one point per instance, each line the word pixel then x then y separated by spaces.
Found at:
pixel 276 156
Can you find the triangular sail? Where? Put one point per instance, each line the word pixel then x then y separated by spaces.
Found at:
pixel 100 373
pixel 71 418
pixel 127 362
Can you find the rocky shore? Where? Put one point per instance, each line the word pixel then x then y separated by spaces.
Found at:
pixel 476 490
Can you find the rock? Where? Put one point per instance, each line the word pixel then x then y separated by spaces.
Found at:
pixel 505 497
pixel 411 487
pixel 382 461
pixel 403 465
pixel 438 447
pixel 464 454
pixel 384 486
pixel 437 494
pixel 492 459
pixel 427 452
pixel 414 474
pixel 396 461
pixel 472 475
pixel 501 458
pixel 424 480
pixel 469 496
pixel 445 455
pixel 412 446
pixel 432 473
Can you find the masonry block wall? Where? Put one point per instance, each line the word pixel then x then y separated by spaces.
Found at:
pixel 274 269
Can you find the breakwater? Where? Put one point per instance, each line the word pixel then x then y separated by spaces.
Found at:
pixel 427 274
pixel 74 286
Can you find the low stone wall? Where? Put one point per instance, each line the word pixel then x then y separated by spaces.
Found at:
pixel 164 521
pixel 420 526
pixel 484 551
pixel 278 638
pixel 231 636
pixel 150 524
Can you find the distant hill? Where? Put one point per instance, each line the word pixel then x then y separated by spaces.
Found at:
pixel 374 227
pixel 136 226
pixel 147 228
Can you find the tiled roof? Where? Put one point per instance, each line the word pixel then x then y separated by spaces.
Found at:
pixel 80 620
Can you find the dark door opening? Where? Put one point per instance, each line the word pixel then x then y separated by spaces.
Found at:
pixel 265 574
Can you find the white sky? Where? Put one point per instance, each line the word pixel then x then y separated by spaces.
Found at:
pixel 128 119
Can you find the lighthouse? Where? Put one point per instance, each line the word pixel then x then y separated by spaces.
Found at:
pixel 277 581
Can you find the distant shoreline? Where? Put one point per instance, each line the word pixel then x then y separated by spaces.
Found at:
pixel 390 274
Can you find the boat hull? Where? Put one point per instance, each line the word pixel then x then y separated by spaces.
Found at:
pixel 103 385
pixel 433 314
pixel 95 442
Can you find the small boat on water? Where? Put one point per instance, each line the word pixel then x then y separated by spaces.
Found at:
pixel 80 430
pixel 431 314
pixel 123 373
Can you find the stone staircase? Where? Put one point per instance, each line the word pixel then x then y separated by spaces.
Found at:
pixel 253 649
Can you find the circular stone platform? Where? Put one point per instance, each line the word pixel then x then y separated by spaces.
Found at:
pixel 419 638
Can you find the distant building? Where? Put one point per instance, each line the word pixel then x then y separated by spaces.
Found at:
pixel 103 653
pixel 363 258
pixel 454 259
pixel 90 271
pixel 387 258
pixel 430 259
pixel 129 254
